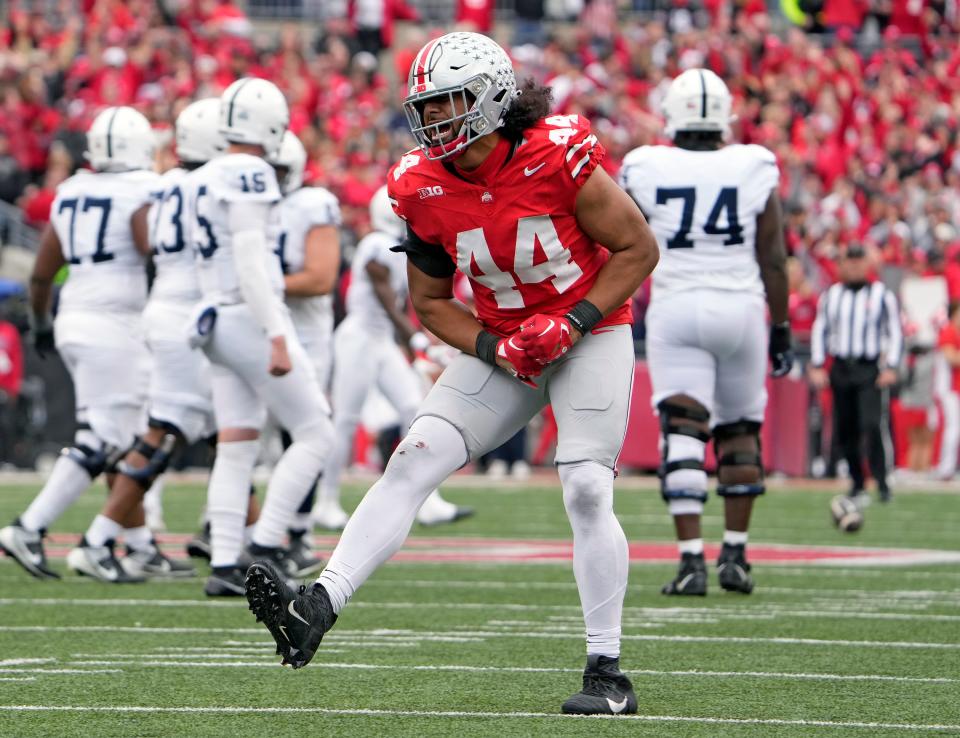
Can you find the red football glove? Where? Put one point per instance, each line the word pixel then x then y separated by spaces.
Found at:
pixel 546 337
pixel 524 367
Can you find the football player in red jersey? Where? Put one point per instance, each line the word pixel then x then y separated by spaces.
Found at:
pixel 515 199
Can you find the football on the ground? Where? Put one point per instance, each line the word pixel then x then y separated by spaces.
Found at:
pixel 847 515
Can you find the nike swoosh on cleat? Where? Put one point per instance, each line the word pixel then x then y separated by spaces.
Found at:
pixel 528 171
pixel 617 707
pixel 296 614
pixel 283 631
pixel 683 582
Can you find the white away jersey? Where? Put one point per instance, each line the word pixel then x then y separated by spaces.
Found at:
pixel 176 279
pixel 363 305
pixel 703 208
pixel 91 216
pixel 299 212
pixel 209 191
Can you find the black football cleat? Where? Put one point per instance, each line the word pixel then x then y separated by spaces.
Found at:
pixel 733 569
pixel 606 690
pixel 198 547
pixel 26 548
pixel 297 620
pixel 225 582
pixel 691 577
pixel 299 554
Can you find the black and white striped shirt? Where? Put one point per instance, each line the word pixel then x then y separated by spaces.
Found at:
pixel 861 322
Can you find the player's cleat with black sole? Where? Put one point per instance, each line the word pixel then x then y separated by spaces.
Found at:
pixel 733 569
pixel 691 577
pixel 225 581
pixel 606 690
pixel 198 547
pixel 153 563
pixel 101 563
pixel 885 495
pixel 299 554
pixel 26 548
pixel 275 555
pixel 460 513
pixel 297 619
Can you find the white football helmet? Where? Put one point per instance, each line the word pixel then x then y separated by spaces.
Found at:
pixel 697 100
pixel 292 157
pixel 198 132
pixel 254 111
pixel 119 140
pixel 469 69
pixel 382 217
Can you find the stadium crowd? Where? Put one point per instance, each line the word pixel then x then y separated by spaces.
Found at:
pixel 863 118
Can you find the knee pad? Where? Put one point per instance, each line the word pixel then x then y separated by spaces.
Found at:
pixel 431 451
pixel 587 488
pixel 316 434
pixel 682 476
pixel 92 453
pixel 158 459
pixel 748 482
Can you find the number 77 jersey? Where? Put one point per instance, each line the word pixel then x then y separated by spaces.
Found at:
pixel 510 225
pixel 703 208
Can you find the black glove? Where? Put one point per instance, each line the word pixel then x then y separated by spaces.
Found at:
pixel 781 349
pixel 41 335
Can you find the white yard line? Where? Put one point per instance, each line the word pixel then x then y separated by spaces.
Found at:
pixel 408 634
pixel 468 714
pixel 220 661
pixel 686 614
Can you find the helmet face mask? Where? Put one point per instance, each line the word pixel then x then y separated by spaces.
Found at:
pixel 290 162
pixel 471 73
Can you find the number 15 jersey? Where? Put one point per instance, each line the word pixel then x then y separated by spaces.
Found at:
pixel 703 208
pixel 510 225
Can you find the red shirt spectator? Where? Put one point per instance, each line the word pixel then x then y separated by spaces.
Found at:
pixel 478 14
pixel 11 360
pixel 950 336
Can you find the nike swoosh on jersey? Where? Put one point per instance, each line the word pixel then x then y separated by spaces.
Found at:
pixel 528 171
pixel 617 707
pixel 296 614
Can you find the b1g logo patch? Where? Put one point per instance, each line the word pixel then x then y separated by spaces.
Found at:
pixel 426 192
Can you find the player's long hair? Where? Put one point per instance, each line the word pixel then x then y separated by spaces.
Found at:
pixel 531 105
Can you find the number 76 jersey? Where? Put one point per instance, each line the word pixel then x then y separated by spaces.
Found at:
pixel 703 208
pixel 510 226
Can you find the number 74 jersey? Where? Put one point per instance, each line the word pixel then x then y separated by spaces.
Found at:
pixel 512 230
pixel 703 207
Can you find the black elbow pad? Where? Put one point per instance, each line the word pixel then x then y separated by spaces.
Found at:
pixel 429 258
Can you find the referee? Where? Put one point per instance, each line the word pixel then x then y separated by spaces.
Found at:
pixel 858 326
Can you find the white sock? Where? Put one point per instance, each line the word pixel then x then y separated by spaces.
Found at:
pixel 735 537
pixel 301 522
pixel 248 534
pixel 228 496
pixel 431 451
pixel 138 538
pixel 67 481
pixel 101 530
pixel 691 546
pixel 292 479
pixel 600 554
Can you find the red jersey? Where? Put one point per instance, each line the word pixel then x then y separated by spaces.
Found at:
pixel 510 225
pixel 950 336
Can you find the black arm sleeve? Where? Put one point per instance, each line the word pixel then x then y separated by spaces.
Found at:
pixel 429 258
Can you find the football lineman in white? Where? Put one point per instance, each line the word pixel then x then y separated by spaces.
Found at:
pixel 180 402
pixel 98 227
pixel 716 215
pixel 258 364
pixel 308 248
pixel 367 357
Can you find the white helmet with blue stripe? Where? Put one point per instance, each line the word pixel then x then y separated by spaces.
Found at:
pixel 254 111
pixel 120 140
pixel 697 100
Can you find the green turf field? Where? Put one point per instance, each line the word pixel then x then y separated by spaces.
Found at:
pixel 479 649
